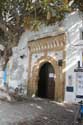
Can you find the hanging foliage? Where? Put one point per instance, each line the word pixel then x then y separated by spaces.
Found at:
pixel 77 4
pixel 17 15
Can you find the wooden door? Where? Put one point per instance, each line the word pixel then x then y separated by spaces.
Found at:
pixel 50 83
pixel 46 84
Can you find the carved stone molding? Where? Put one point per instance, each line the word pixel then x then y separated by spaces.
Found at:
pixel 48 43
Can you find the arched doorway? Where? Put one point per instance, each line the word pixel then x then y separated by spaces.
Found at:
pixel 46 82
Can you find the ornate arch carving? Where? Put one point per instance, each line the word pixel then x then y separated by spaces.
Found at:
pixel 35 73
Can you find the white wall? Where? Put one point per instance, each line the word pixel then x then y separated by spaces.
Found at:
pixel 18 72
pixel 72 25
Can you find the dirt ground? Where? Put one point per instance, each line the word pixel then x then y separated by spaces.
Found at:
pixel 36 111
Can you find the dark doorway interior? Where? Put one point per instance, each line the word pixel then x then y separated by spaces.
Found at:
pixel 46 84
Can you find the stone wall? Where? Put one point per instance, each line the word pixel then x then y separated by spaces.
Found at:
pixel 71 26
pixel 19 71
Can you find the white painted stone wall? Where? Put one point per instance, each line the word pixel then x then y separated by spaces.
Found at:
pixel 18 68
pixel 71 26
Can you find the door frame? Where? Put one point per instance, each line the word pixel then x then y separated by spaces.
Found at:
pixel 33 82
